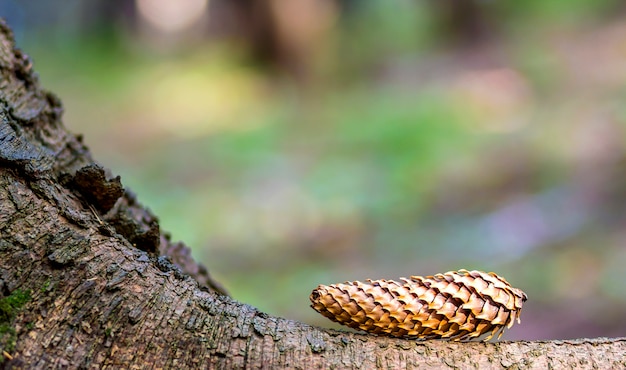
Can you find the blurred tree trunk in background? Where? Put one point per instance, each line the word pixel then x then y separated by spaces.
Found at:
pixel 87 279
pixel 463 22
pixel 286 35
pixel 107 14
pixel 292 36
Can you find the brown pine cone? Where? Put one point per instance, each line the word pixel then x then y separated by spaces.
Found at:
pixel 459 305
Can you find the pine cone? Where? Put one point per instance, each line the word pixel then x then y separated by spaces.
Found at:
pixel 459 305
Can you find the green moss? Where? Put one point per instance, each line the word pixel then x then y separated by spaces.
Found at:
pixel 12 303
pixel 45 286
pixel 9 307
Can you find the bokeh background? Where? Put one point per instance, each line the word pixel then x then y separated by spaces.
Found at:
pixel 296 142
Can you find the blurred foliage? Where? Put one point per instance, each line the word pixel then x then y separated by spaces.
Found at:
pixel 405 154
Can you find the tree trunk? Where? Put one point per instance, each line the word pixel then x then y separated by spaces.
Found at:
pixel 88 280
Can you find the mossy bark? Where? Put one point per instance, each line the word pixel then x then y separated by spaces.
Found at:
pixel 107 289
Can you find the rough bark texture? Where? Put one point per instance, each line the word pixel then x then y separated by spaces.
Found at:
pixel 87 279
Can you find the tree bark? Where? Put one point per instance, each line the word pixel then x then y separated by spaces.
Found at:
pixel 88 280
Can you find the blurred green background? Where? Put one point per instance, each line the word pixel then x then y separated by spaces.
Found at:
pixel 302 142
